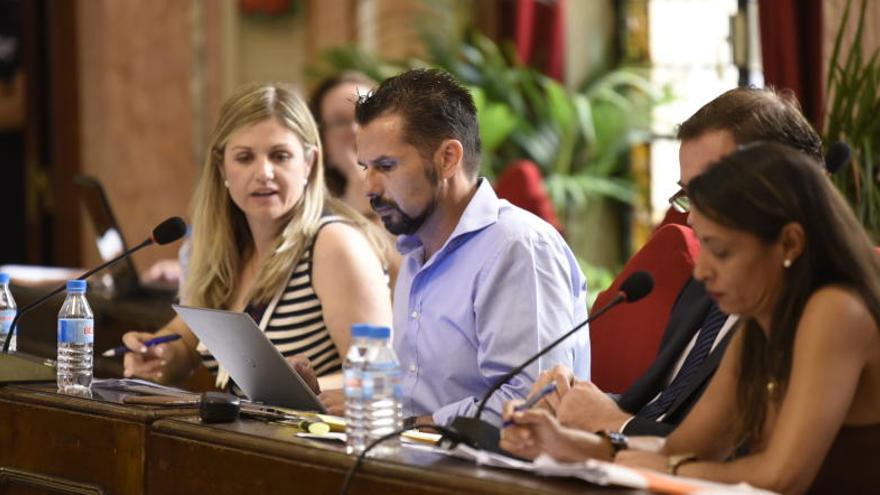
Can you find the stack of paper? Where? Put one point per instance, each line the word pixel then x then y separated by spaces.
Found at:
pixel 605 473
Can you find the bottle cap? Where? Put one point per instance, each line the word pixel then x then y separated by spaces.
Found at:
pixel 381 333
pixel 76 286
pixel 361 330
pixel 365 331
pixel 4 278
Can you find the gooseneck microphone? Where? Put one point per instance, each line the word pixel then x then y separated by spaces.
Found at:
pixel 480 434
pixel 166 232
pixel 837 157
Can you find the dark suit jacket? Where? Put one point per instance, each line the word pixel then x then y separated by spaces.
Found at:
pixel 687 315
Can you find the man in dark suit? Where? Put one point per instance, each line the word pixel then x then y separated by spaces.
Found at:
pixel 697 333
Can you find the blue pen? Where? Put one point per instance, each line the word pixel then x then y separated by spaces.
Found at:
pixel 119 351
pixel 528 404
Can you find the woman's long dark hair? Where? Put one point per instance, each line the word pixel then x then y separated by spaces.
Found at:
pixel 335 180
pixel 760 189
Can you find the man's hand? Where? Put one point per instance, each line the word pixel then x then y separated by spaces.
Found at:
pixel 334 401
pixel 563 377
pixel 534 431
pixel 587 408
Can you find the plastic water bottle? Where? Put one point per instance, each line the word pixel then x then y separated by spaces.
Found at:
pixel 372 389
pixel 7 311
pixel 76 336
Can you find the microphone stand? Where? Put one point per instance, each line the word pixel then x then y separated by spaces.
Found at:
pixel 485 436
pixel 19 367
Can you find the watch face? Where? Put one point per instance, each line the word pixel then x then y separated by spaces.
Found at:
pixel 618 440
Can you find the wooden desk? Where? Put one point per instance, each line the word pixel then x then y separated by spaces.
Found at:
pixel 52 443
pixel 72 445
pixel 252 457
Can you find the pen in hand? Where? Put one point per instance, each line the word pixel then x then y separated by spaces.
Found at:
pixel 531 401
pixel 119 351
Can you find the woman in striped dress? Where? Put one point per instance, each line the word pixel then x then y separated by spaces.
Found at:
pixel 270 241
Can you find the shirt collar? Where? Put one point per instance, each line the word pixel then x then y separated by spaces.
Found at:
pixel 481 211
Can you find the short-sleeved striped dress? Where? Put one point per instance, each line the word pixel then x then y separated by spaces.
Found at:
pixel 296 323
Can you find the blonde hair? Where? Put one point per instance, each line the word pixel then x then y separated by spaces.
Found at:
pixel 222 239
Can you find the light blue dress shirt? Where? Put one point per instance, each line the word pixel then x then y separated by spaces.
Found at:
pixel 502 287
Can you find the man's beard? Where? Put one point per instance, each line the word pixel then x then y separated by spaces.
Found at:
pixel 404 224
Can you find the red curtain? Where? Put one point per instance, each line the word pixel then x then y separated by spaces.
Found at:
pixel 538 29
pixel 791 48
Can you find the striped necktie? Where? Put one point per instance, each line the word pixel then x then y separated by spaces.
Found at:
pixel 708 333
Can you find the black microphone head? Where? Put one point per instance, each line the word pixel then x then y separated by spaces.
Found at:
pixel 169 231
pixel 837 156
pixel 637 286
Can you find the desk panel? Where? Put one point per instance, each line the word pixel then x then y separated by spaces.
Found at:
pixel 53 440
pixel 253 458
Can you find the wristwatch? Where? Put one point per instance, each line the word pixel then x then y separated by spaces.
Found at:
pixel 674 462
pixel 410 422
pixel 617 440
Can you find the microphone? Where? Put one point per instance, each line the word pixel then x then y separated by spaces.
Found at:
pixel 482 435
pixel 837 157
pixel 20 367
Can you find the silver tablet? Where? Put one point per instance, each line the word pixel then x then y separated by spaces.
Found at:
pixel 251 359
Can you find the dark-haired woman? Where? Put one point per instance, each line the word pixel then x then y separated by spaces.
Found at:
pixel 799 388
pixel 332 104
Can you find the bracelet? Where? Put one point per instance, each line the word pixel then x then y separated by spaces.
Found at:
pixel 617 440
pixel 674 462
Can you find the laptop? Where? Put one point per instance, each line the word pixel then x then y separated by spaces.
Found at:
pixel 123 277
pixel 255 364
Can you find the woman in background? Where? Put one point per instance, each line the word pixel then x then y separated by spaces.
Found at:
pixel 332 104
pixel 799 386
pixel 267 240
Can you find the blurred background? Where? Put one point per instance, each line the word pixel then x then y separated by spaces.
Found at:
pixel 587 91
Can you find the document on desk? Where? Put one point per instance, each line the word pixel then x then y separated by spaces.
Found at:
pixel 604 473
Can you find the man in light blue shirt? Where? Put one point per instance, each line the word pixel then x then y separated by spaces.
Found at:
pixel 483 285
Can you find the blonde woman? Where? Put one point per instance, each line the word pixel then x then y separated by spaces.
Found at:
pixel 268 240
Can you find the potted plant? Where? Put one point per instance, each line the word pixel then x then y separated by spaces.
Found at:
pixel 853 84
pixel 579 138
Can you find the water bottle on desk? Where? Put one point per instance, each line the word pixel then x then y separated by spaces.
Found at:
pixel 372 388
pixel 76 336
pixel 383 405
pixel 7 311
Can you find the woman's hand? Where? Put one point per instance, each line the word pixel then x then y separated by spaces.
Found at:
pixel 163 363
pixel 640 459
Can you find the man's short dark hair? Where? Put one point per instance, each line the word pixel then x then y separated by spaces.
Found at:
pixel 434 107
pixel 753 114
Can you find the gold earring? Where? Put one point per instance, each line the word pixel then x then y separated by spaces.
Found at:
pixel 786 263
pixel 226 183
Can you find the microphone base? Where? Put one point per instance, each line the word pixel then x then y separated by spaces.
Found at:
pixel 478 434
pixel 22 368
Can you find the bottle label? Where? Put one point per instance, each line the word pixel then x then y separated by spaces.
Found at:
pixel 6 317
pixel 76 331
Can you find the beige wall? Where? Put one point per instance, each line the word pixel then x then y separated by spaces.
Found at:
pixel 140 94
pixel 152 75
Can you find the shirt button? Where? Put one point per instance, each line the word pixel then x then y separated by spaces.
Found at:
pixel 414 315
pixel 412 368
